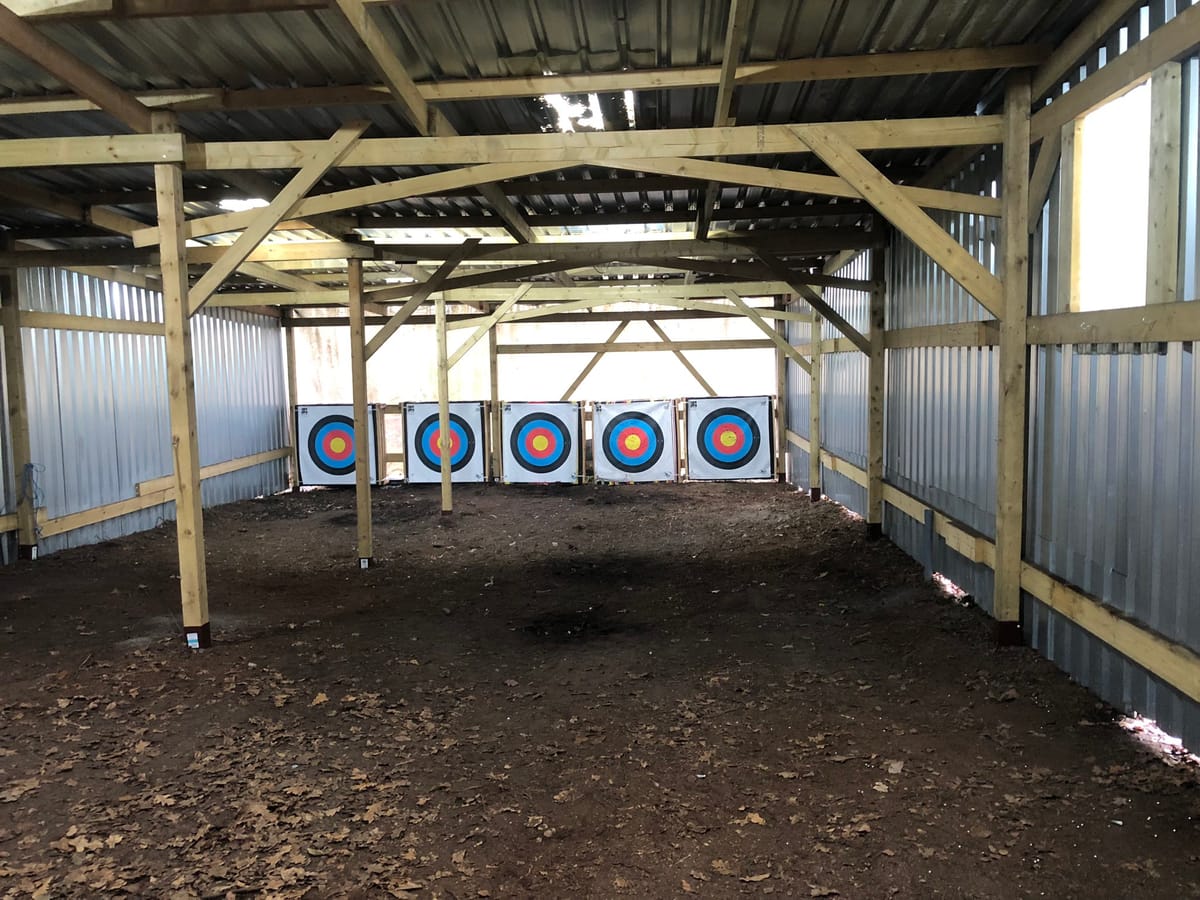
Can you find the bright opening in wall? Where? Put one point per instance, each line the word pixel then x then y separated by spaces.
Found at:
pixel 1114 202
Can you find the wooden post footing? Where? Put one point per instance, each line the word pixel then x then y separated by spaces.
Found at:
pixel 814 494
pixel 1008 634
pixel 199 637
pixel 365 563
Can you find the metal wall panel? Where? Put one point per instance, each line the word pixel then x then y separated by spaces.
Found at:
pixel 844 378
pixel 98 402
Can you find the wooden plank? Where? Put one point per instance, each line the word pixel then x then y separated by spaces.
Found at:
pixel 893 205
pixel 963 334
pixel 167 482
pixel 478 279
pixel 876 396
pixel 362 433
pixel 75 152
pixel 1044 170
pixel 805 183
pixel 427 289
pixel 17 409
pixel 1102 20
pixel 1162 323
pixel 64 322
pixel 836 345
pixel 443 395
pixel 497 416
pixel 1173 663
pixel 774 336
pixel 293 393
pixel 485 326
pixel 593 362
pixel 1173 41
pixel 63 524
pixel 594 146
pixel 1070 218
pixel 683 360
pixel 181 399
pixel 831 315
pixel 637 347
pixel 266 219
pixel 781 407
pixel 814 411
pixel 1014 362
pixel 73 72
pixel 1166 155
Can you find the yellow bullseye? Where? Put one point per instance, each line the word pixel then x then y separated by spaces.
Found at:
pixel 541 443
pixel 728 439
pixel 633 443
pixel 338 445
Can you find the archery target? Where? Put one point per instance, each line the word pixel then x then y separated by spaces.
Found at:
pixel 729 438
pixel 423 436
pixel 325 434
pixel 541 443
pixel 635 441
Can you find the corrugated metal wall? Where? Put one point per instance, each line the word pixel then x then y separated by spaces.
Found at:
pixel 1114 480
pixel 98 402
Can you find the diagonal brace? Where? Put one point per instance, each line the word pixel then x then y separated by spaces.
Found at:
pixel 781 272
pixel 488 324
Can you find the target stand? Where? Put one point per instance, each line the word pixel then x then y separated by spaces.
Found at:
pixel 541 443
pixel 325 438
pixel 468 443
pixel 729 439
pixel 635 441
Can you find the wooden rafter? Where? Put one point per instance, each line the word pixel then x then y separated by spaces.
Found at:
pixel 797 284
pixel 893 205
pixel 487 325
pixel 266 219
pixel 1090 32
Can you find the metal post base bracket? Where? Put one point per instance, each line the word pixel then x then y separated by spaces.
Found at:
pixel 198 637
pixel 814 494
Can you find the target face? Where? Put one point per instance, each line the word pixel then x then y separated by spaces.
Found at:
pixel 541 443
pixel 429 440
pixel 327 447
pixel 635 442
pixel 467 449
pixel 729 438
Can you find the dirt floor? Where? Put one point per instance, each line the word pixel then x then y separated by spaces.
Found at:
pixel 710 690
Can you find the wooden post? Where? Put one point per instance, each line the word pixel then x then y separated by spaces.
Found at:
pixel 814 413
pixel 497 412
pixel 1166 139
pixel 876 397
pixel 1014 365
pixel 181 392
pixel 443 392
pixel 1070 189
pixel 781 401
pixel 293 392
pixel 18 413
pixel 362 429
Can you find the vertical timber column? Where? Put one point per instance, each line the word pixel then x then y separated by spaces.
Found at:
pixel 181 393
pixel 1166 140
pixel 497 415
pixel 362 430
pixel 443 390
pixel 781 402
pixel 814 413
pixel 876 397
pixel 293 383
pixel 1014 365
pixel 18 413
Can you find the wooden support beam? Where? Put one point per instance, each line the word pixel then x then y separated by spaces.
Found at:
pixel 636 347
pixel 756 272
pixel 478 279
pixel 486 326
pixel 589 147
pixel 963 334
pixel 1166 159
pixel 293 393
pixel 1012 429
pixel 181 398
pixel 876 396
pixel 1142 324
pixel 898 209
pixel 497 423
pixel 684 361
pixel 781 404
pixel 1044 170
pixel 735 39
pixel 17 410
pixel 362 427
pixel 266 219
pixel 426 290
pixel 815 439
pixel 64 322
pixel 157 486
pixel 443 398
pixel 72 71
pixel 594 361
pixel 1172 41
pixel 1070 217
pixel 831 315
pixel 806 183
pixel 1097 26
pixel 77 152
pixel 774 336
